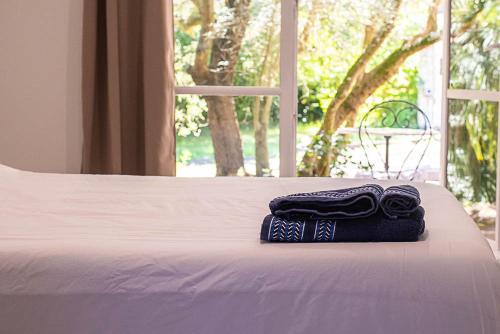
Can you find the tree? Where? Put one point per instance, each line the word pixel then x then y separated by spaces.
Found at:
pixel 214 64
pixel 261 110
pixel 359 84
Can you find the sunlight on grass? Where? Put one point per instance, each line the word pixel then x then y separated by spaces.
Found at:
pixel 199 149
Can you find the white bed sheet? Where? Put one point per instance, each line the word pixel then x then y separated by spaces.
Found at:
pixel 124 254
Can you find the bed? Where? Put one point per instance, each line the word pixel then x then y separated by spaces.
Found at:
pixel 125 254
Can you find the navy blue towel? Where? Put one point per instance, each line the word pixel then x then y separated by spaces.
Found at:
pixel 400 201
pixel 343 203
pixel 374 228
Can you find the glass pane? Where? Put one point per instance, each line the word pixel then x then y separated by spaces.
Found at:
pixel 227 43
pixel 352 56
pixel 222 135
pixel 472 159
pixel 475 45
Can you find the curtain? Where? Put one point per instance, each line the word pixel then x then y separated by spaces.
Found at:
pixel 128 87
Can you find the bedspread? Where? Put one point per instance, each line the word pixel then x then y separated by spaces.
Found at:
pixel 125 254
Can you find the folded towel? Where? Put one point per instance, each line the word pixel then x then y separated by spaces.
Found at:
pixel 400 201
pixel 375 228
pixel 344 203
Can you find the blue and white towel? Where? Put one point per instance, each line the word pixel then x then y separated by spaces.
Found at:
pixel 366 213
pixel 375 228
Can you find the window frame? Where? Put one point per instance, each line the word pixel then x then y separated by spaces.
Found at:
pixel 466 95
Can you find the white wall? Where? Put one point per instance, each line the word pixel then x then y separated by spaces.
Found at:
pixel 40 74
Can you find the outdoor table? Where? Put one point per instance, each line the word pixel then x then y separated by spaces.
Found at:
pixel 387 133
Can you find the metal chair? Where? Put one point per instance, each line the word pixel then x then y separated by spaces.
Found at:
pixel 389 119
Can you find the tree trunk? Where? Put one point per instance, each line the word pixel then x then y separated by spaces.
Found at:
pixel 225 134
pixel 262 111
pixel 261 115
pixel 214 64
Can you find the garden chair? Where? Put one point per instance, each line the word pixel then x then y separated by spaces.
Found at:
pixel 385 124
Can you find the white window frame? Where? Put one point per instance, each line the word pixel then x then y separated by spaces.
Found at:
pixel 287 91
pixel 467 95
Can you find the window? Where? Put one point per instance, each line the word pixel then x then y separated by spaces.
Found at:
pixel 235 76
pixel 470 110
pixel 353 55
pixel 256 149
pixel 263 86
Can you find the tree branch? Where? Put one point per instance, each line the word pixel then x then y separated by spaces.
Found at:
pixel 227 42
pixel 199 70
pixel 358 68
pixel 470 20
pixel 431 25
pixel 193 20
pixel 306 31
pixel 389 66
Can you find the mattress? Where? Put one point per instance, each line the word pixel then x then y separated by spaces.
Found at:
pixel 125 254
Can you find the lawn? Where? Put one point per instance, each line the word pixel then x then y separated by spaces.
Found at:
pixel 199 149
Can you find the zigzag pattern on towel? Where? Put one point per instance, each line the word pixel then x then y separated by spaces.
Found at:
pixel 325 230
pixel 286 231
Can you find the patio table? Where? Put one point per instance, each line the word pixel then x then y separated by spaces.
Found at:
pixel 387 133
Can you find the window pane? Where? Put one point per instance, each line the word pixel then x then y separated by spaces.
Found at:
pixel 222 135
pixel 227 43
pixel 352 56
pixel 475 51
pixel 472 159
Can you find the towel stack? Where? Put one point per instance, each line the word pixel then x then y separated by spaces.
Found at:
pixel 366 213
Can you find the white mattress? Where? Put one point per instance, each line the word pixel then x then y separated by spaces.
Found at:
pixel 123 254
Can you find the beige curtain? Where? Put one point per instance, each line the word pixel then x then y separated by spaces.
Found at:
pixel 128 87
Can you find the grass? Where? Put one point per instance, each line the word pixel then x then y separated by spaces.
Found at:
pixel 199 149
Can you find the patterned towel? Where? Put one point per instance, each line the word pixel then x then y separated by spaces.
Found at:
pixel 400 201
pixel 344 203
pixel 375 228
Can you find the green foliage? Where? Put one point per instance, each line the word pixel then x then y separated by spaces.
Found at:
pixel 472 150
pixel 473 124
pixel 309 109
pixel 190 115
pixel 403 86
pixel 474 63
pixel 185 50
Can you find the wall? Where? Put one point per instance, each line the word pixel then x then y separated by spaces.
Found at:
pixel 40 99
